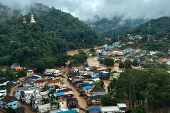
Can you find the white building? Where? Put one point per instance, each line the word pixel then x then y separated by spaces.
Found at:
pixel 49 71
pixel 28 95
pixel 120 108
pixel 44 108
pixel 32 19
pixel 3 92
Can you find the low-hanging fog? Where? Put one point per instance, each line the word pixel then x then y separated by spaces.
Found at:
pixel 87 9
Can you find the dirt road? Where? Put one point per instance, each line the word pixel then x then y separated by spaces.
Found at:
pixel 13 89
pixel 81 100
pixel 28 110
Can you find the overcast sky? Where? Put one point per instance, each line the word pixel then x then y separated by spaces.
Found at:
pixel 85 9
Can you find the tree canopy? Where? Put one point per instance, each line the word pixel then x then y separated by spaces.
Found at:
pixel 44 42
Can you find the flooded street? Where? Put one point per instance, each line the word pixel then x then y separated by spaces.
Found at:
pixel 92 61
pixel 81 100
pixel 26 106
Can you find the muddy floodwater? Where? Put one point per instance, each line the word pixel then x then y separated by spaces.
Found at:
pixel 92 61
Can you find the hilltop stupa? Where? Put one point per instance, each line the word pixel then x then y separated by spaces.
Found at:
pixel 32 19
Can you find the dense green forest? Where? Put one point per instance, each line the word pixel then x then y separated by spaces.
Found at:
pixel 155 37
pixel 149 88
pixel 44 42
pixel 111 28
pixel 159 28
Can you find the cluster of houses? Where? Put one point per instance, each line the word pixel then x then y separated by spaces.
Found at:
pixel 143 56
pixel 41 93
pixel 48 93
pixel 82 78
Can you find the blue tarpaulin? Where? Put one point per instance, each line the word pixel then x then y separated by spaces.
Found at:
pixel 87 87
pixel 97 55
pixel 51 88
pixel 60 94
pixel 91 110
pixel 105 74
pixel 105 53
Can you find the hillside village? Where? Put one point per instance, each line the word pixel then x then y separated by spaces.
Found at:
pixel 56 90
pixel 49 93
pixel 45 66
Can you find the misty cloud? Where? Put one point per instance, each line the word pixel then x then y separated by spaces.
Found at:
pixel 85 9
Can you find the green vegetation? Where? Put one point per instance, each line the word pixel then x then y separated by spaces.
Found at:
pixel 98 85
pixel 46 100
pixel 115 26
pixel 9 110
pixel 107 61
pixel 112 85
pixel 108 100
pixel 8 88
pixel 135 62
pixel 121 65
pixel 79 58
pixel 128 63
pixel 159 28
pixel 9 75
pixel 148 88
pixel 139 109
pixel 159 35
pixel 43 44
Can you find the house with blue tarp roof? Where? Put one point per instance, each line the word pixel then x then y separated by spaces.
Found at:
pixel 94 110
pixel 104 73
pixel 60 94
pixel 87 89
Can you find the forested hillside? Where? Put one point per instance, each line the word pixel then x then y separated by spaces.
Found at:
pixel 116 26
pixel 155 37
pixel 159 28
pixel 71 29
pixel 43 42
